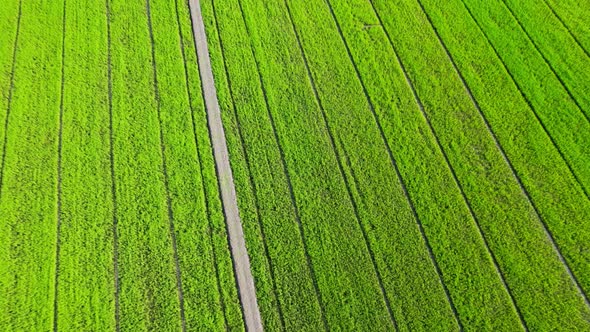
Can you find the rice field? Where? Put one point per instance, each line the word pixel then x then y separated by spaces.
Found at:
pixel 411 165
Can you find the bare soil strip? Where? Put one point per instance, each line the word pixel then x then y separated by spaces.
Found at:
pixel 235 232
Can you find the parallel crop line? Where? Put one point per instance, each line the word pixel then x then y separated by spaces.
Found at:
pixel 546 61
pixel 528 102
pixel 455 178
pixel 340 168
pixel 249 168
pixel 454 174
pixel 165 171
pixel 395 165
pixel 567 28
pixel 193 125
pixel 288 176
pixel 514 174
pixel 59 169
pixel 112 167
pixel 10 91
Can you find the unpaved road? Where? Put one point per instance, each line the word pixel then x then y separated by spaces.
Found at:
pixel 247 291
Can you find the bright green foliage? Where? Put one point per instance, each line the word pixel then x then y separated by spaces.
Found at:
pixel 570 62
pixel 291 276
pixel 514 232
pixel 574 16
pixel 193 227
pixel 557 111
pixel 127 111
pixel 561 202
pixel 474 284
pixel 8 25
pixel 28 195
pixel 411 165
pixel 225 274
pixel 86 273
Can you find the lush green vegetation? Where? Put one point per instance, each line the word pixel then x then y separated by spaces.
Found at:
pixel 572 15
pixel 29 172
pixel 503 181
pixel 111 216
pixel 399 165
pixel 552 39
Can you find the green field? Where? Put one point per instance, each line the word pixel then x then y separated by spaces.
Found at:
pixel 411 165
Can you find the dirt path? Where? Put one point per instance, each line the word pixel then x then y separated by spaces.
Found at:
pixel 246 289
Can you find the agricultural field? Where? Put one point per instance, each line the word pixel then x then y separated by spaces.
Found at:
pixel 411 165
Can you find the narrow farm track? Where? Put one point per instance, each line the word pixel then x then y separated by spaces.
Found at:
pixel 291 165
pixel 240 257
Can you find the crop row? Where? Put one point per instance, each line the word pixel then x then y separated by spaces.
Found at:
pixel 315 98
pixel 111 216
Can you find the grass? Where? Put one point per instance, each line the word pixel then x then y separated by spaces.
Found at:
pixel 399 165
pixel 111 216
pixel 29 173
pixel 571 14
pixel 552 39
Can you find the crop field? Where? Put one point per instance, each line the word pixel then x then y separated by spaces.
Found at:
pixel 411 165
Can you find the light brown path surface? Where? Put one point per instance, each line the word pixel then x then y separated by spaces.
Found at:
pixel 240 257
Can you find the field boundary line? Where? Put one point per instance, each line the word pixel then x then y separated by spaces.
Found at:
pixel 341 170
pixel 567 28
pixel 243 273
pixel 59 171
pixel 545 59
pixel 454 174
pixel 10 92
pixel 200 165
pixel 112 170
pixel 287 175
pixel 547 232
pixel 396 167
pixel 249 169
pixel 528 102
pixel 165 170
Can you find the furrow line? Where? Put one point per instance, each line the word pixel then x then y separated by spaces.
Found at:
pixel 546 61
pixel 112 169
pixel 340 168
pixel 513 171
pixel 288 176
pixel 165 172
pixel 529 103
pixel 10 91
pixel 454 174
pixel 241 261
pixel 198 154
pixel 59 170
pixel 249 168
pixel 395 166
pixel 567 28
